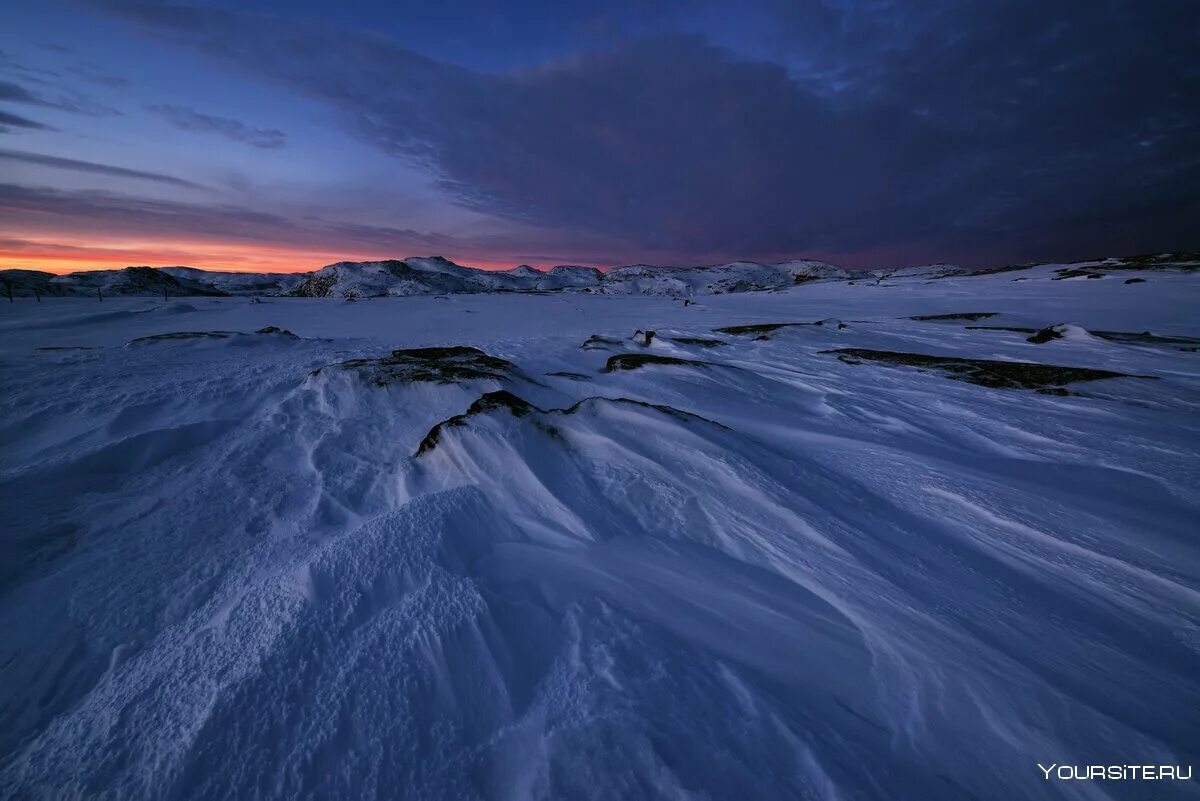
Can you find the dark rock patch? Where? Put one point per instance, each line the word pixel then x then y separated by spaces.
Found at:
pixel 437 365
pixel 758 328
pixel 597 342
pixel 1068 272
pixel 633 361
pixel 1046 378
pixel 1135 280
pixel 492 401
pixel 179 335
pixel 1043 335
pixel 700 342
pixel 568 374
pixel 185 335
pixel 764 330
pixel 542 419
pixel 272 329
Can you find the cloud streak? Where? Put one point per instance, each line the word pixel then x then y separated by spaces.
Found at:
pixel 9 120
pixel 76 165
pixel 15 93
pixel 187 119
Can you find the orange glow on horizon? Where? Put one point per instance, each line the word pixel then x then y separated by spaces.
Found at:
pixel 68 257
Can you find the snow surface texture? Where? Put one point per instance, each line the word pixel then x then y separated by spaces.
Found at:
pixel 727 565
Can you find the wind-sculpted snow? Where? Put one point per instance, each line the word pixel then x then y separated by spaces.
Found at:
pixel 434 548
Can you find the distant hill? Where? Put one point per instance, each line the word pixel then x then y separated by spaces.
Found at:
pixel 438 276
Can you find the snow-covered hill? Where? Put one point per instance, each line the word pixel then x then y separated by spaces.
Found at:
pixel 130 282
pixel 440 276
pixel 422 276
pixel 231 283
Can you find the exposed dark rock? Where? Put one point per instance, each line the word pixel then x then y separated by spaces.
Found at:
pixel 568 374
pixel 757 328
pixel 185 335
pixel 317 286
pixel 1043 335
pixel 633 361
pixel 597 342
pixel 271 329
pixel 985 372
pixel 1067 272
pixel 492 401
pixel 437 365
pixel 764 330
pixel 1135 280
pixel 542 419
pixel 701 342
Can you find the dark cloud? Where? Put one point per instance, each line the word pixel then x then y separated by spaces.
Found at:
pixel 1018 129
pixel 9 120
pixel 43 160
pixel 189 120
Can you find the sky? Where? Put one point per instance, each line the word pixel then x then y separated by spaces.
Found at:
pixel 283 135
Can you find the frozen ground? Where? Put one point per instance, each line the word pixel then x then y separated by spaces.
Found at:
pixel 776 573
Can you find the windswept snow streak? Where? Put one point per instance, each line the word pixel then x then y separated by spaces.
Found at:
pixel 728 564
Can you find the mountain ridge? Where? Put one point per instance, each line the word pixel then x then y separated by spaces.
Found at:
pixel 436 275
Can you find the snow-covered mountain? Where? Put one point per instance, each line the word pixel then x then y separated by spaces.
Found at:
pixel 131 281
